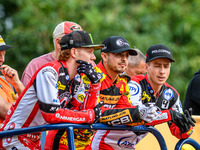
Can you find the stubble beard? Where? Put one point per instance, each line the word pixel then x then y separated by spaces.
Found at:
pixel 115 68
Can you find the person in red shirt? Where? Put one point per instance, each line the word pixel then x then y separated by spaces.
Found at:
pixel 60 30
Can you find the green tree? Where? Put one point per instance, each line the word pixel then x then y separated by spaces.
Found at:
pixel 143 23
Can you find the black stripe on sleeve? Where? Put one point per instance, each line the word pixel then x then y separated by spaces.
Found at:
pixel 48 108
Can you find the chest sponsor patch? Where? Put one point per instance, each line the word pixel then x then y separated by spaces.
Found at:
pixel 77 78
pixel 134 89
pixel 80 97
pixel 60 86
pixel 168 94
pixel 67 77
pixel 145 96
pixel 108 99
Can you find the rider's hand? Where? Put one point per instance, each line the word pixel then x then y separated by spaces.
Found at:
pixel 147 113
pixel 98 111
pixel 183 121
pixel 89 71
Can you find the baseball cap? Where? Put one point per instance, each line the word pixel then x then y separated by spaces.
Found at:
pixel 78 39
pixel 158 51
pixel 117 44
pixel 65 28
pixel 3 45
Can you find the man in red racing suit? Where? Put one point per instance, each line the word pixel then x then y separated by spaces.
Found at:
pixel 45 98
pixel 115 90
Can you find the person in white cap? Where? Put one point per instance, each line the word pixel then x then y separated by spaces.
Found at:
pixel 10 78
pixel 59 31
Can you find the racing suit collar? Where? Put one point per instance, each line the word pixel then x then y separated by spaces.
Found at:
pixel 151 90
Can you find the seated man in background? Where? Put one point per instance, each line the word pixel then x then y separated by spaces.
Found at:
pixel 136 64
pixel 10 78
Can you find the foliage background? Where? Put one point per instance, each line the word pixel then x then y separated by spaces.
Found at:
pixel 28 25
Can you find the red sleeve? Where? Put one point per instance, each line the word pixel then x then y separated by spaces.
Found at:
pixel 163 116
pixel 69 116
pixel 92 96
pixel 75 104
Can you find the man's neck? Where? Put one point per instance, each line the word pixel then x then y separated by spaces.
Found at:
pixel 54 55
pixel 72 68
pixel 156 89
pixel 111 73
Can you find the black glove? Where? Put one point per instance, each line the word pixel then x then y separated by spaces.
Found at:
pixel 97 111
pixel 183 121
pixel 189 118
pixel 89 71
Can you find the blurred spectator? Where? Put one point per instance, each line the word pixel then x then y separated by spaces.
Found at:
pixel 192 98
pixel 136 64
pixel 10 76
pixel 60 30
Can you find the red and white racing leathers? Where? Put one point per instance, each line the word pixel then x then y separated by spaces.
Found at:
pixel 43 101
pixel 142 93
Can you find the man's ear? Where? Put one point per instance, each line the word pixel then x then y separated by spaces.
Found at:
pixel 104 56
pixel 73 52
pixel 146 66
pixel 58 43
